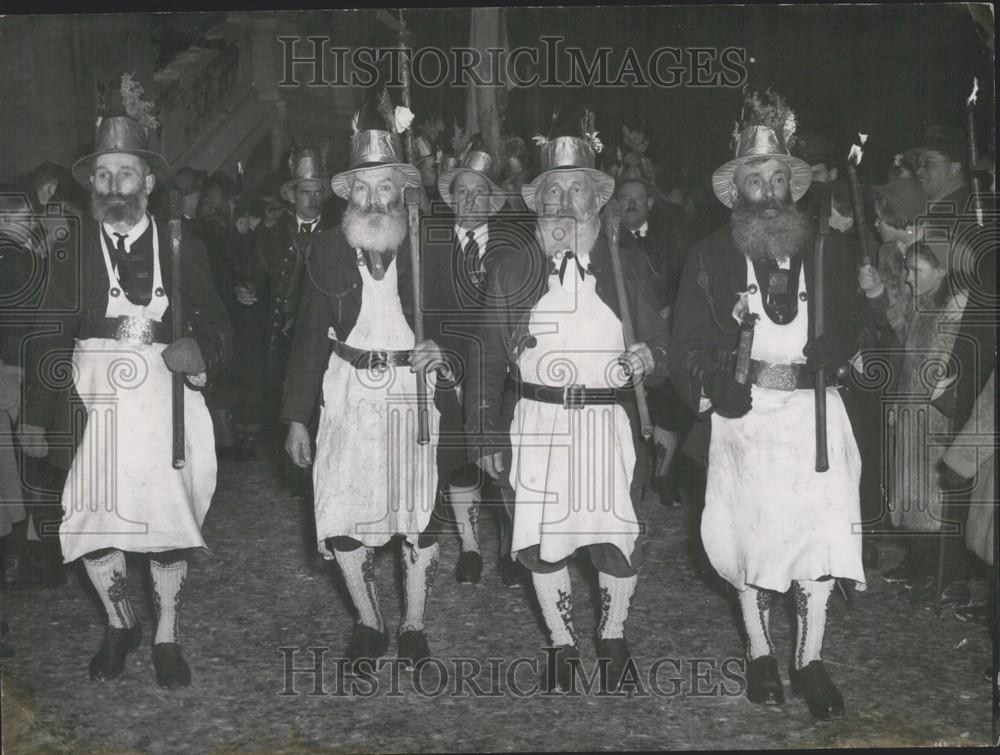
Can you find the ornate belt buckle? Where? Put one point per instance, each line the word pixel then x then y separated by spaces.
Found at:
pixel 378 360
pixel 134 330
pixel 573 396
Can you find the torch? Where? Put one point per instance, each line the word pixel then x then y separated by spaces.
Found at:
pixel 819 296
pixel 857 199
pixel 970 114
pixel 177 324
pixel 413 209
pixel 612 228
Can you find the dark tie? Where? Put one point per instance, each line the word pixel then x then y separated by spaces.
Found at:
pixel 472 257
pixel 567 256
pixel 306 228
pixel 120 257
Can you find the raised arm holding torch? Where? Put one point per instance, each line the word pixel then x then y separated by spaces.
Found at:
pixel 970 112
pixel 857 199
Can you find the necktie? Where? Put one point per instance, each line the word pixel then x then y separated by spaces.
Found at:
pixel 567 256
pixel 471 258
pixel 120 256
pixel 306 228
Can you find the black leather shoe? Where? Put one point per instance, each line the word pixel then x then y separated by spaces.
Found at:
pixel 901 573
pixel 469 569
pixel 512 573
pixel 763 681
pixel 923 590
pixel 822 697
pixel 109 661
pixel 559 674
pixel 412 647
pixel 956 594
pixel 365 646
pixel 618 655
pixel 171 669
pixel 666 490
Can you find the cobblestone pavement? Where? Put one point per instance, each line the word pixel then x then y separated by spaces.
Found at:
pixel 261 600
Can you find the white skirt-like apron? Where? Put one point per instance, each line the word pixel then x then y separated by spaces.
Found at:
pixel 372 479
pixel 769 517
pixel 122 490
pixel 571 469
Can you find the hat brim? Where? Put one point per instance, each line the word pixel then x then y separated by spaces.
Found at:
pixel 341 187
pixel 156 161
pixel 605 185
pixel 498 198
pixel 801 178
pixel 287 190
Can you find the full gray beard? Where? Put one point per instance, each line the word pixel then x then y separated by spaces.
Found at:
pixel 759 237
pixel 124 208
pixel 375 231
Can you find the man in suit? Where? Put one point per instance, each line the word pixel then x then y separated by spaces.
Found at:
pixel 470 237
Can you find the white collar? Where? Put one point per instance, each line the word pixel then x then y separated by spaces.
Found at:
pixel 480 233
pixel 131 236
pixel 299 222
pixel 643 229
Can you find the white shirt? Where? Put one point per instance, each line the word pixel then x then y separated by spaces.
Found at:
pixel 641 230
pixel 131 237
pixel 314 223
pixel 481 234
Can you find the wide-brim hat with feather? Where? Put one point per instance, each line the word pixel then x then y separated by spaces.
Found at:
pixel 304 164
pixel 375 142
pixel 767 129
pixel 124 123
pixel 571 152
pixel 474 158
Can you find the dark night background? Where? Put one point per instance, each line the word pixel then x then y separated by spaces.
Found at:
pixel 886 70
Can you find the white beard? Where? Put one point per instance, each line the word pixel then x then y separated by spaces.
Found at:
pixel 374 231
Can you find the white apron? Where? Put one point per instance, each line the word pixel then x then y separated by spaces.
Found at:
pixel 769 517
pixel 571 469
pixel 372 479
pixel 122 490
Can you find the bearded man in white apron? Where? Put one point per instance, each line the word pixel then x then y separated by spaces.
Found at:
pixel 123 492
pixel 771 521
pixel 576 464
pixel 354 349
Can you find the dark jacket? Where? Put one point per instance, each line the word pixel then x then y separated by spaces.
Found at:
pixel 331 298
pixel 716 272
pixel 279 267
pixel 76 296
pixel 664 248
pixel 516 280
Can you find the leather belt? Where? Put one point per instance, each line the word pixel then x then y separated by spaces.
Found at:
pixel 785 377
pixel 136 330
pixel 361 359
pixel 571 396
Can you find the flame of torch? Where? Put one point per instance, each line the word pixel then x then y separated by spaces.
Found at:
pixel 971 102
pixel 856 154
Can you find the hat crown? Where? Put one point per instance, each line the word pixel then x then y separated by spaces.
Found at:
pixel 122 133
pixel 759 141
pixel 375 147
pixel 308 164
pixel 479 161
pixel 567 152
